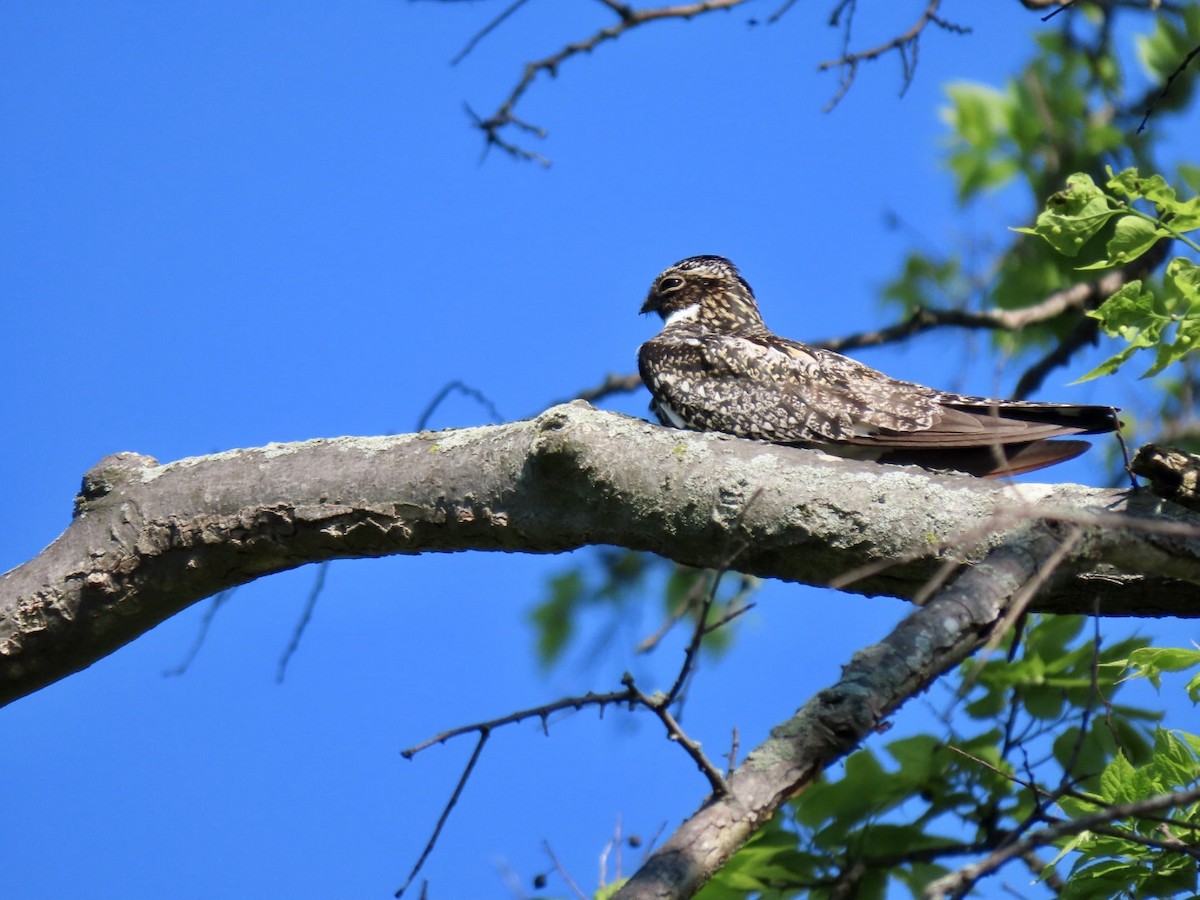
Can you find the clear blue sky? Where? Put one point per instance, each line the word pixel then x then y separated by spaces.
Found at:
pixel 232 223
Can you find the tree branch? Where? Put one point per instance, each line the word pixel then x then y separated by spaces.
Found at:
pixel 957 883
pixel 877 681
pixel 148 540
pixel 906 45
pixel 627 18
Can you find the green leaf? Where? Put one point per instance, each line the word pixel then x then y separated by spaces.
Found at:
pixel 769 860
pixel 1174 761
pixel 1185 216
pixel 914 754
pixel 1189 174
pixel 1107 878
pixel 1073 215
pixel 1043 702
pixel 1161 53
pixel 1127 183
pixel 1151 662
pixel 1109 366
pixel 1193 689
pixel 1130 314
pixel 1117 781
pixel 554 619
pixel 1132 236
pixel 978 116
pixel 1181 288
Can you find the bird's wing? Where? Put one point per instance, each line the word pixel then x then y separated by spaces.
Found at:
pixel 766 387
pixel 772 389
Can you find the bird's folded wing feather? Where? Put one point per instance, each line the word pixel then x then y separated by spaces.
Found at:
pixel 770 388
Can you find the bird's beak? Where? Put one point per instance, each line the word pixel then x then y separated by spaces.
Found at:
pixel 653 304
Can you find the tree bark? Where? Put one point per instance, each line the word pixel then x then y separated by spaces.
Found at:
pixel 952 625
pixel 147 540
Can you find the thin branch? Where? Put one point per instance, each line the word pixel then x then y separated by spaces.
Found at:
pixel 628 18
pixel 779 13
pixel 960 882
pixel 1166 89
pixel 458 789
pixel 659 704
pixel 305 617
pixel 1086 295
pixel 542 712
pixel 462 388
pixel 562 872
pixel 732 755
pixel 611 385
pixel 218 601
pixel 486 30
pixel 906 45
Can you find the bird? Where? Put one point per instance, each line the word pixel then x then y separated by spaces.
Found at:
pixel 715 366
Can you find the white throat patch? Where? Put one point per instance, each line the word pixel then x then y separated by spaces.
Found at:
pixel 681 315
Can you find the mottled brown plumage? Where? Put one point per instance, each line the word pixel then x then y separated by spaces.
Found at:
pixel 716 367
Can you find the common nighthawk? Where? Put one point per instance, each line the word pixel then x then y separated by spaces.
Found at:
pixel 716 367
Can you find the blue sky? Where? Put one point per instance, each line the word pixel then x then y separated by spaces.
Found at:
pixel 233 223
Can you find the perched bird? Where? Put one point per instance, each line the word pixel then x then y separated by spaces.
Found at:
pixel 716 367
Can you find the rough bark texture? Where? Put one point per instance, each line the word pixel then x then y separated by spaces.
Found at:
pixel 952 625
pixel 147 539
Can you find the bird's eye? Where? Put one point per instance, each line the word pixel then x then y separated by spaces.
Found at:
pixel 670 283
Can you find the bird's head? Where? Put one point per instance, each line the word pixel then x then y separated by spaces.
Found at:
pixel 705 289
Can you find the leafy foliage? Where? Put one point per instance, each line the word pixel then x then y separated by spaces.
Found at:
pixel 1068 113
pixel 1029 750
pixel 1167 321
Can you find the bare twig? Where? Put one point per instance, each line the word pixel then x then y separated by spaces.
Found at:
pixel 906 45
pixel 612 384
pixel 305 617
pixel 558 867
pixel 1166 89
pixel 627 19
pixel 1086 295
pixel 456 385
pixel 458 789
pixel 486 30
pixel 695 594
pixel 537 712
pixel 218 601
pixel 659 705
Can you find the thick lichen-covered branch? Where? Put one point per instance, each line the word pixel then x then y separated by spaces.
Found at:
pixel 147 539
